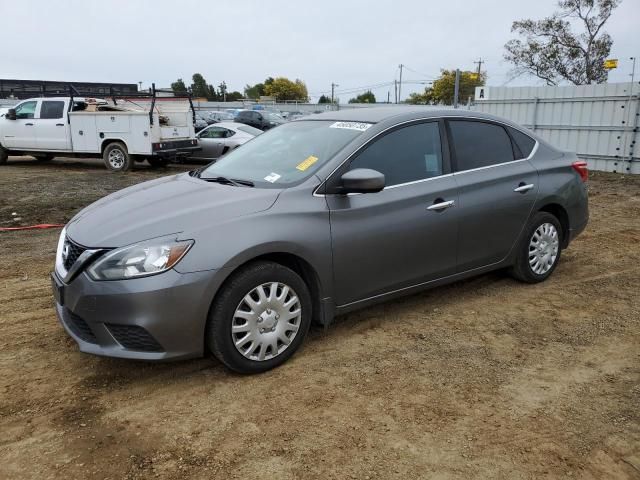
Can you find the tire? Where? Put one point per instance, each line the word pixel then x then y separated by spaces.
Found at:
pixel 231 299
pixel 157 162
pixel 534 265
pixel 44 158
pixel 4 155
pixel 116 158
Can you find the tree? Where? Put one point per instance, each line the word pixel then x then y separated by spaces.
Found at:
pixel 178 86
pixel 234 96
pixel 254 91
pixel 442 89
pixel 200 88
pixel 550 50
pixel 366 97
pixel 324 99
pixel 284 89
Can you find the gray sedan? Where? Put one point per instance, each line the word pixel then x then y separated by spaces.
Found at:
pixel 220 138
pixel 313 219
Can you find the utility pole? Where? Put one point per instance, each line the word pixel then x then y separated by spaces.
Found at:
pixel 400 86
pixel 395 91
pixel 456 89
pixel 388 96
pixel 333 86
pixel 479 62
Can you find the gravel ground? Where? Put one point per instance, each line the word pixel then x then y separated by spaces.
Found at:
pixel 486 378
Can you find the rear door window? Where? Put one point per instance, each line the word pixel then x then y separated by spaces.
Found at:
pixel 479 144
pixel 404 155
pixel 523 141
pixel 51 109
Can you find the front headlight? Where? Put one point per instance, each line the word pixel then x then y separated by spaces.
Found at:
pixel 59 267
pixel 139 260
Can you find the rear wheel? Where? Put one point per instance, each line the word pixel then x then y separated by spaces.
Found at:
pixel 539 251
pixel 116 158
pixel 259 318
pixel 4 155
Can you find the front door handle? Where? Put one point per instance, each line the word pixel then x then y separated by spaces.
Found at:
pixel 59 124
pixel 441 205
pixel 28 124
pixel 523 187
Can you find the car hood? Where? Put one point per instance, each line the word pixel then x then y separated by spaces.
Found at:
pixel 168 205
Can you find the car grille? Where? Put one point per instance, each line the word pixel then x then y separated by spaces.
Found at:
pixel 134 337
pixel 79 327
pixel 73 252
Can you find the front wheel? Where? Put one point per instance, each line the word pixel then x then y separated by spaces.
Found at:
pixel 4 155
pixel 539 251
pixel 116 158
pixel 259 318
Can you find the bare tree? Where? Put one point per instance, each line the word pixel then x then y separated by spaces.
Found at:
pixel 550 50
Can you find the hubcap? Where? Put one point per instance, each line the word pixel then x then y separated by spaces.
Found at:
pixel 266 321
pixel 116 158
pixel 543 248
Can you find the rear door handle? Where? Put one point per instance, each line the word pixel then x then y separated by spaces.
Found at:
pixel 441 205
pixel 28 124
pixel 523 187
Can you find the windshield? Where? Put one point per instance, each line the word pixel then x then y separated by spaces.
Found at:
pixel 284 155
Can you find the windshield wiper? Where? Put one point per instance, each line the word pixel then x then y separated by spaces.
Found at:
pixel 228 181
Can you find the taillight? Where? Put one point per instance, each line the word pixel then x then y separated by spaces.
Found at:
pixel 581 167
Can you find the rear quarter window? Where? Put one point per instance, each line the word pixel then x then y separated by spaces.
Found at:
pixel 523 141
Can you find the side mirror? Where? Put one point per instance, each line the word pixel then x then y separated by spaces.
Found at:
pixel 362 180
pixel 11 114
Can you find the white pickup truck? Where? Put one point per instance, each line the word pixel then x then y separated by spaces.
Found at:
pixel 156 129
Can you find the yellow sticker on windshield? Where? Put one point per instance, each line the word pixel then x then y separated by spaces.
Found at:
pixel 306 163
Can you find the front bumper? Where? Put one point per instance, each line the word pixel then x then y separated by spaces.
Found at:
pixel 161 317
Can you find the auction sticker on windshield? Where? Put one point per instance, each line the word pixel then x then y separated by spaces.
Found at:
pixel 272 177
pixel 360 126
pixel 306 163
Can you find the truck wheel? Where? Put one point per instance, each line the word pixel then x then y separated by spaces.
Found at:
pixel 4 154
pixel 44 158
pixel 116 157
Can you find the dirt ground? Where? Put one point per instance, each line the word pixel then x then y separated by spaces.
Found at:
pixel 486 378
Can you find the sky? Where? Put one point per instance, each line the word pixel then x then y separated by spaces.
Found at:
pixel 352 43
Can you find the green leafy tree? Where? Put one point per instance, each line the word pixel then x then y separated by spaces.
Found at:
pixel 284 89
pixel 254 91
pixel 366 97
pixel 442 89
pixel 550 50
pixel 324 99
pixel 234 96
pixel 200 88
pixel 178 86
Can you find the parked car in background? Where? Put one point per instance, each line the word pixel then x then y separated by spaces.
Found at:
pixel 215 117
pixel 313 219
pixel 295 115
pixel 200 122
pixel 234 111
pixel 259 119
pixel 222 137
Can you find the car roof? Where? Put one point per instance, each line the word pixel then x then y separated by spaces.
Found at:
pixel 398 113
pixel 231 125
